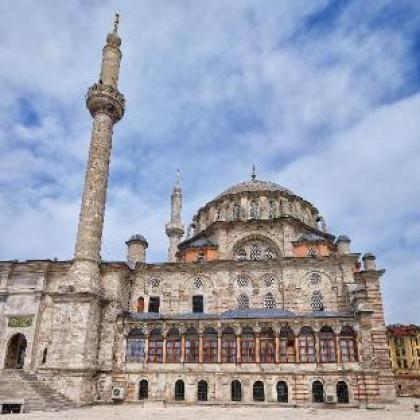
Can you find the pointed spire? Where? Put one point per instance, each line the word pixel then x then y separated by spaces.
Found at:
pixel 177 186
pixel 253 175
pixel 116 22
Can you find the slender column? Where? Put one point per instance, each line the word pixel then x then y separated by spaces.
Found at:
pixel 297 355
pixel 219 347
pixel 317 348
pixel 183 348
pixel 238 348
pixel 200 349
pixel 257 348
pixel 337 348
pixel 164 349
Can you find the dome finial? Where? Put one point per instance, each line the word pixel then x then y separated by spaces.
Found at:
pixel 178 178
pixel 116 22
pixel 253 175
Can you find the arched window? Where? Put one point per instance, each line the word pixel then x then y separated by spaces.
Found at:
pixel 179 390
pixel 269 280
pixel 242 281
pixel 282 392
pixel 307 345
pixel 258 391
pixel 268 346
pixel 254 210
pixel 342 393
pixel 173 346
pixel 327 345
pixel 247 345
pixel 210 346
pixel 312 252
pixel 317 301
pixel 16 351
pixel 236 391
pixel 270 254
pixel 202 391
pixel 136 346
pixel 255 253
pixel 44 356
pixel 287 346
pixel 192 346
pixel 243 302
pixel 228 346
pixel 155 348
pixel 240 255
pixel 269 301
pixel 143 390
pixel 140 304
pixel 272 209
pixel 348 345
pixel 317 392
pixel 236 211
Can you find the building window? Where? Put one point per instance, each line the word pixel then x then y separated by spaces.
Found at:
pixel 241 281
pixel 317 301
pixel 198 283
pixel 236 211
pixel 307 345
pixel 282 392
pixel 342 393
pixel 243 302
pixel 348 345
pixel 201 256
pixel 44 356
pixel 154 303
pixel 202 391
pixel 327 345
pixel 258 391
pixel 268 346
pixel 255 253
pixel 241 255
pixel 197 304
pixel 247 346
pixel 210 346
pixel 143 390
pixel 173 346
pixel 155 348
pixel 317 392
pixel 228 346
pixel 140 304
pixel 269 301
pixel 269 280
pixel 272 209
pixel 179 390
pixel 287 346
pixel 154 282
pixel 236 391
pixel 136 346
pixel 192 346
pixel 254 211
pixel 312 252
pixel 315 278
pixel 270 254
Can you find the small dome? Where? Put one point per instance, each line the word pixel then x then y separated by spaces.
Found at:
pixel 343 238
pixel 138 238
pixel 254 185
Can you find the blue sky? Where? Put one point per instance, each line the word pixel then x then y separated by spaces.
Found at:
pixel 322 96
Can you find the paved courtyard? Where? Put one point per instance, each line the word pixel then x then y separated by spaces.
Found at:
pixel 404 410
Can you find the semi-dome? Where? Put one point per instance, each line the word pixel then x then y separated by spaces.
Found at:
pixel 254 185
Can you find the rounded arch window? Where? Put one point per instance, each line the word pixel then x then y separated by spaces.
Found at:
pixel 241 281
pixel 240 255
pixel 236 211
pixel 269 280
pixel 269 301
pixel 258 391
pixel 255 248
pixel 270 254
pixel 243 302
pixel 272 209
pixel 254 209
pixel 255 253
pixel 143 389
pixel 202 390
pixel 179 390
pixel 342 393
pixel 317 392
pixel 197 282
pixel 282 392
pixel 154 282
pixel 315 278
pixel 317 301
pixel 236 391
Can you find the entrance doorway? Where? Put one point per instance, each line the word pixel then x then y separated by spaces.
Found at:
pixel 16 350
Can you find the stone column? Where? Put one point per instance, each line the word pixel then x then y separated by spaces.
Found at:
pixel 219 347
pixel 238 348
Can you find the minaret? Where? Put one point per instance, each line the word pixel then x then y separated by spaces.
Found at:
pixel 174 228
pixel 79 304
pixel 106 105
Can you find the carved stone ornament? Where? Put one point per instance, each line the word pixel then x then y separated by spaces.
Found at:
pixel 20 322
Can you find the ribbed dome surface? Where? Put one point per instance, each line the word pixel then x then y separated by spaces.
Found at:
pixel 253 186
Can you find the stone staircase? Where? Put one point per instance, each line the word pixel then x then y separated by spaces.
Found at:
pixel 24 387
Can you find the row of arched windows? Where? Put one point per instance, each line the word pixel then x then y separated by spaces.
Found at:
pixel 254 210
pixel 248 347
pixel 258 391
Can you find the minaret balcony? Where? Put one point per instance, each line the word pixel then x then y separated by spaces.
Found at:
pixel 105 99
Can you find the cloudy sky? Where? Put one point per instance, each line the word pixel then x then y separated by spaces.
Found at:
pixel 322 96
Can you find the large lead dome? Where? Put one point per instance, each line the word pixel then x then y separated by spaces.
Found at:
pixel 254 185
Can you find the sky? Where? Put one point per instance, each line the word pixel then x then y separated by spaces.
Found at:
pixel 322 96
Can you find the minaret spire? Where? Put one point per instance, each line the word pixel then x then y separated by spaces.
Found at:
pixel 253 174
pixel 174 228
pixel 106 105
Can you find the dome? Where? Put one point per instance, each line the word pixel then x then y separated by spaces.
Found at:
pixel 254 185
pixel 138 238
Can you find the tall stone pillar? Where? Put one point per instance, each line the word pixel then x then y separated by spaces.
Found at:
pixel 79 305
pixel 175 229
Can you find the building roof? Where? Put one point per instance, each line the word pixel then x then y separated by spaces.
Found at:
pixel 403 330
pixel 310 237
pixel 254 185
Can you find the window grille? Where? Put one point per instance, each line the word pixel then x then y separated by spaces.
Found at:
pixel 228 346
pixel 201 255
pixel 269 280
pixel 173 347
pixel 154 282
pixel 242 281
pixel 307 346
pixel 315 278
pixel 269 254
pixel 155 348
pixel 243 302
pixel 241 255
pixel 327 345
pixel 271 209
pixel 236 211
pixel 248 346
pixel 198 283
pixel 312 252
pixel 317 301
pixel 269 301
pixel 210 346
pixel 255 253
pixel 254 211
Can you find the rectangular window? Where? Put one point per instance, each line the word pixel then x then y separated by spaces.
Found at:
pixel 154 303
pixel 210 350
pixel 247 350
pixel 135 350
pixel 197 304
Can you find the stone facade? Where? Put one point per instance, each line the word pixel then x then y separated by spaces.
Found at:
pixel 272 308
